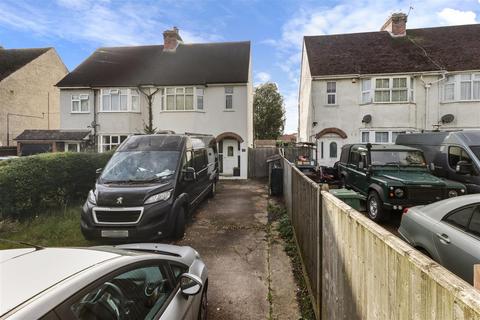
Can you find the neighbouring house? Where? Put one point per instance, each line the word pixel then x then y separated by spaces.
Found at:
pixel 369 87
pixel 37 141
pixel 28 96
pixel 197 88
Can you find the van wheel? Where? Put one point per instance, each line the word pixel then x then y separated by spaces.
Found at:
pixel 213 190
pixel 180 224
pixel 375 208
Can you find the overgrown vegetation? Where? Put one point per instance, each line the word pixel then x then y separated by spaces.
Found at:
pixel 57 228
pixel 286 232
pixel 30 186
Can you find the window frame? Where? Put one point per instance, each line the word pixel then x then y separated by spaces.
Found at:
pixel 456 210
pixel 456 81
pixel 329 94
pixel 372 89
pixel 63 309
pixel 372 135
pixel 229 94
pixel 101 145
pixel 330 145
pixel 80 97
pixel 194 94
pixel 129 94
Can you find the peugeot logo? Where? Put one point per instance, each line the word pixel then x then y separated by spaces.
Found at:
pixel 119 200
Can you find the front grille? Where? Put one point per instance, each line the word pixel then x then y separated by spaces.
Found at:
pixel 117 215
pixel 425 194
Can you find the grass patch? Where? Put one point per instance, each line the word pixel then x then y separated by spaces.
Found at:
pixel 53 229
pixel 285 229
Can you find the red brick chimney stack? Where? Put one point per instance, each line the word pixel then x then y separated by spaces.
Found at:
pixel 396 25
pixel 171 39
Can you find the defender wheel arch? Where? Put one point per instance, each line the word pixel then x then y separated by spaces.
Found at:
pixel 377 189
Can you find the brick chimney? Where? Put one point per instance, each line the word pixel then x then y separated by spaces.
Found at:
pixel 171 39
pixel 396 25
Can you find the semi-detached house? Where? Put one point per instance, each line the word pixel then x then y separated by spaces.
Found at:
pixel 369 87
pixel 197 88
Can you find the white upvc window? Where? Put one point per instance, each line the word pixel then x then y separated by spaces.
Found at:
pixel 461 87
pixel 183 99
pixel 380 136
pixel 366 91
pixel 229 98
pixel 119 100
pixel 80 103
pixel 72 147
pixel 387 90
pixel 331 93
pixel 110 142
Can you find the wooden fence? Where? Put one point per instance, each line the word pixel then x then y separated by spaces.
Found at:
pixel 355 269
pixel 257 165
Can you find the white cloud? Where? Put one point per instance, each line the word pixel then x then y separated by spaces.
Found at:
pixel 455 17
pixel 99 23
pixel 263 77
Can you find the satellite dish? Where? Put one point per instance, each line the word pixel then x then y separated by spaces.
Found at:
pixel 367 118
pixel 447 118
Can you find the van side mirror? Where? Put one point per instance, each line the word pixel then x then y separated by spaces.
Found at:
pixel 189 174
pixel 98 172
pixel 463 167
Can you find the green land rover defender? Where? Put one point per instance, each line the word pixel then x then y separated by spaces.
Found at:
pixel 392 178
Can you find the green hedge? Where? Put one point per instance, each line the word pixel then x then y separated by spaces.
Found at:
pixel 30 185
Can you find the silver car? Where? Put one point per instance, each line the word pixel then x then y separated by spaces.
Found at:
pixel 134 281
pixel 448 231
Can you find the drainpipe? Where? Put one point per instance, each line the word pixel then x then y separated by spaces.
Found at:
pixel 427 86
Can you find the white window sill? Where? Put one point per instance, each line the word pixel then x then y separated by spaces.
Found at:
pixel 120 111
pixel 330 105
pixel 79 112
pixel 181 111
pixel 390 102
pixel 460 101
pixel 228 110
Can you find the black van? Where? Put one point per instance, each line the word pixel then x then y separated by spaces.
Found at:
pixel 453 155
pixel 149 187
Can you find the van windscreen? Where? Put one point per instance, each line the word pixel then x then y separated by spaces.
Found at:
pixel 476 151
pixel 140 166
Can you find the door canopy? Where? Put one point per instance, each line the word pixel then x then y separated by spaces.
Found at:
pixel 336 131
pixel 229 135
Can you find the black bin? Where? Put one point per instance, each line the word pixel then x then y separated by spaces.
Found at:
pixel 276 181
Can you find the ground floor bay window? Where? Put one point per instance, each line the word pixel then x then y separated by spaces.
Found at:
pixel 109 142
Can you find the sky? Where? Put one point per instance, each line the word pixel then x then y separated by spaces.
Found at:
pixel 275 27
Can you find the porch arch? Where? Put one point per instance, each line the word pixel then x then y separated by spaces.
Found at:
pixel 229 135
pixel 336 131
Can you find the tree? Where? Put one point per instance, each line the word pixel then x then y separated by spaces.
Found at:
pixel 149 94
pixel 269 113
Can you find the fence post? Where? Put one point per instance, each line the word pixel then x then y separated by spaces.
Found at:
pixel 476 276
pixel 319 261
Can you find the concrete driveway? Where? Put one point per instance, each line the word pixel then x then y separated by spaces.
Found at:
pixel 249 274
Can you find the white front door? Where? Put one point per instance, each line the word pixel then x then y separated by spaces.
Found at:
pixel 328 150
pixel 230 156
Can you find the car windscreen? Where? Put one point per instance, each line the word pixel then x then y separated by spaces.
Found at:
pixel 397 158
pixel 476 151
pixel 140 166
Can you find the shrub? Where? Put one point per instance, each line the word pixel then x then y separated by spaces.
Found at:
pixel 30 185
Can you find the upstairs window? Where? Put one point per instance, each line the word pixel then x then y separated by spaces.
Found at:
pixel 119 100
pixel 387 90
pixel 331 92
pixel 80 103
pixel 462 87
pixel 229 98
pixel 182 99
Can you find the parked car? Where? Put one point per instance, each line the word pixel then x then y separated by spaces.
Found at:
pixel 134 281
pixel 391 178
pixel 451 155
pixel 150 185
pixel 448 231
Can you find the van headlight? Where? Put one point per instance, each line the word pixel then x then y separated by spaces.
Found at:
pixel 162 196
pixel 92 197
pixel 452 193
